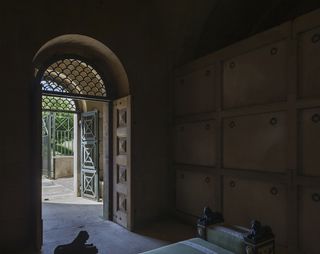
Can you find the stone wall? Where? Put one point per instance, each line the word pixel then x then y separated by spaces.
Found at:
pixel 247 133
pixel 63 166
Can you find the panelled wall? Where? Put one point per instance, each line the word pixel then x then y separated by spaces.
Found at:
pixel 247 133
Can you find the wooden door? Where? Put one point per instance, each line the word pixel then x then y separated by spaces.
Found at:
pixel 122 162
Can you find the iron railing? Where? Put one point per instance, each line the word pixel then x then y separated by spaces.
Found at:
pixel 57 139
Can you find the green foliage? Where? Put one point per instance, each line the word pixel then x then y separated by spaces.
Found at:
pixel 63 150
pixel 61 131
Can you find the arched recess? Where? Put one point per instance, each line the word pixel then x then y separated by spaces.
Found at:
pixel 118 91
pixel 92 50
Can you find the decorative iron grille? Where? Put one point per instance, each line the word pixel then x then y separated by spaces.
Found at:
pixel 63 136
pixel 59 128
pixel 52 103
pixel 57 139
pixel 72 77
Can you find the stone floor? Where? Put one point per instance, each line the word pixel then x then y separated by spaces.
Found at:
pixel 65 215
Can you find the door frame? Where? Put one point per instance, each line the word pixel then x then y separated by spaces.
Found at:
pixel 118 86
pixel 36 177
pixel 107 161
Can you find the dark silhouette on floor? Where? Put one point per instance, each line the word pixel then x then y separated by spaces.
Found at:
pixel 77 246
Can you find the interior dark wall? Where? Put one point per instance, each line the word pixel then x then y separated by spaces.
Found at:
pixel 150 38
pixel 146 36
pixel 246 133
pixel 232 20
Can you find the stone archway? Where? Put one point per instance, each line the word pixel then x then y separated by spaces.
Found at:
pixel 92 50
pixel 115 76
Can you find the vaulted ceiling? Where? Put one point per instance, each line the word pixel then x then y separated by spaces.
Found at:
pixel 232 20
pixel 184 29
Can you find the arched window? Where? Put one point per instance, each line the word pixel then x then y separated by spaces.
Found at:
pixel 72 78
pixel 58 104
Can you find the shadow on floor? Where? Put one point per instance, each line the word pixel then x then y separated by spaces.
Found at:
pixel 65 215
pixel 168 230
pixel 62 223
pixel 78 246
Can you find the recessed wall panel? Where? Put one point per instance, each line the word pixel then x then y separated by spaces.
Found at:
pixel 194 92
pixel 309 55
pixel 246 200
pixel 310 138
pixel 257 77
pixel 255 142
pixel 195 143
pixel 309 220
pixel 194 191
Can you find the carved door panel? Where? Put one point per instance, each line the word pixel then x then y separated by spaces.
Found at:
pixel 195 143
pixel 310 132
pixel 122 162
pixel 245 200
pixel 256 77
pixel 309 55
pixel 194 93
pixel 194 191
pixel 89 155
pixel 309 220
pixel 255 142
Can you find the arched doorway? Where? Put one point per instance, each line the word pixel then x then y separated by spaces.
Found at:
pixel 80 68
pixel 59 116
pixel 68 78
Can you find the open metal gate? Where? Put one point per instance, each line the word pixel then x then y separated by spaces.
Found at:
pixel 57 139
pixel 89 155
pixel 47 169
